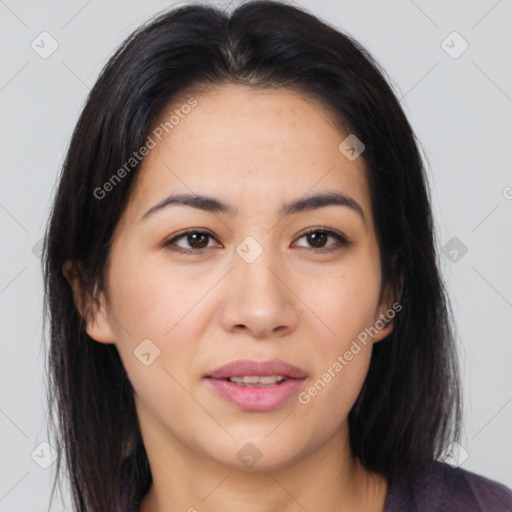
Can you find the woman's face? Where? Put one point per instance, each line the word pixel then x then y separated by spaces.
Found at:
pixel 251 285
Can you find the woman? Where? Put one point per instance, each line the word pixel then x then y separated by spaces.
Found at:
pixel 245 307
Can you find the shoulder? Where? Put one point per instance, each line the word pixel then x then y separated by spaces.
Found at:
pixel 441 487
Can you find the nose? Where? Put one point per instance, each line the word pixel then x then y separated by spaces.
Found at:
pixel 259 298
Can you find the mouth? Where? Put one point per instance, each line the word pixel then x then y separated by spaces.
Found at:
pixel 256 386
pixel 256 381
pixel 245 368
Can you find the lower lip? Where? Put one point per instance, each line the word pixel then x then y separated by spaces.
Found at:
pixel 256 399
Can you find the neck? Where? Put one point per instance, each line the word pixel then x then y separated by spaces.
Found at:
pixel 327 478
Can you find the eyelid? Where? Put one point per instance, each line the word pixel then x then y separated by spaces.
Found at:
pixel 341 239
pixel 183 234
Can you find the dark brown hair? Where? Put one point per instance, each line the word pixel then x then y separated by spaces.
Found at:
pixel 409 407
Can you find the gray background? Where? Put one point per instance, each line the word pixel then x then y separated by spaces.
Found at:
pixel 460 109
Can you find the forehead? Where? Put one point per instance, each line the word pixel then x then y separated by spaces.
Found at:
pixel 244 144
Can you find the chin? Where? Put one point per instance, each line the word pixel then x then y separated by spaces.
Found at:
pixel 257 453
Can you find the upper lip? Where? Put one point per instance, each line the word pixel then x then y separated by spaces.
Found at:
pixel 249 367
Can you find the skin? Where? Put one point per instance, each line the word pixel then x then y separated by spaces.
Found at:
pixel 255 150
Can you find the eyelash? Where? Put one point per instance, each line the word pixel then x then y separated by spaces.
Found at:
pixel 340 238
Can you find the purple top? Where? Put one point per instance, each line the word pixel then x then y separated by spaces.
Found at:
pixel 443 488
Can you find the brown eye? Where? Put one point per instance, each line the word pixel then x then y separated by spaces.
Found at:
pixel 198 238
pixel 317 238
pixel 197 241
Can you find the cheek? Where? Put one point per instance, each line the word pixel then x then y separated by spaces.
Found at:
pixel 155 311
pixel 346 303
pixel 345 300
pixel 341 366
pixel 156 342
pixel 149 300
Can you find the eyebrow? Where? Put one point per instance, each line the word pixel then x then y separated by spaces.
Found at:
pixel 214 205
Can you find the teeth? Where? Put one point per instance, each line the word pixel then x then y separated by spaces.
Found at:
pixel 265 380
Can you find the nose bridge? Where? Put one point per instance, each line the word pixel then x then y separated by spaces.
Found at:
pixel 253 265
pixel 256 296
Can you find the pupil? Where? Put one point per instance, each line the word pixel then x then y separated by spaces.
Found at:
pixel 316 239
pixel 315 235
pixel 198 235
